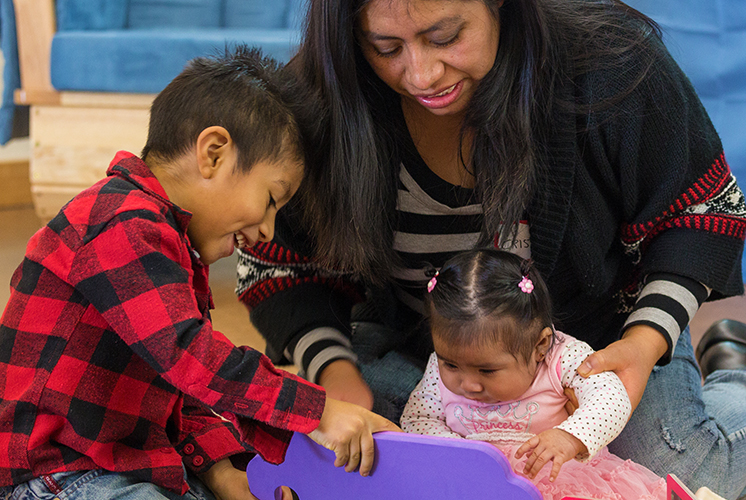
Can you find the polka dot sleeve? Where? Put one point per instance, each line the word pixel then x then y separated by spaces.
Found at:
pixel 424 412
pixel 604 405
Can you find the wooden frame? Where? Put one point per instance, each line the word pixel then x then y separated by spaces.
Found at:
pixel 74 135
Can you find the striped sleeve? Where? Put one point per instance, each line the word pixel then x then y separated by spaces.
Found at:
pixel 316 349
pixel 667 303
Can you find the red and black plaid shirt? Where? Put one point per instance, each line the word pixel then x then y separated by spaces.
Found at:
pixel 108 358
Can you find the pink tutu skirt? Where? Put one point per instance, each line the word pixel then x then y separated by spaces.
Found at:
pixel 604 477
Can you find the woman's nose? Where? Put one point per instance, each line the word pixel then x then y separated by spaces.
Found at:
pixel 424 70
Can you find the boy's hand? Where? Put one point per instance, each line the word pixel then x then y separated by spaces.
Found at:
pixel 347 430
pixel 554 444
pixel 228 483
pixel 343 381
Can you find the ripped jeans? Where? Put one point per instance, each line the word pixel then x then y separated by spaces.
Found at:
pixel 695 431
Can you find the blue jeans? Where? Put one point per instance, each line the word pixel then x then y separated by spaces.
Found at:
pixel 390 375
pixel 99 485
pixel 695 431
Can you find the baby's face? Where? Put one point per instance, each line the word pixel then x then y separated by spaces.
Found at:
pixel 238 209
pixel 484 373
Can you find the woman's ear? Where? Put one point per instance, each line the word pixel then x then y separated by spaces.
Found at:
pixel 212 148
pixel 543 345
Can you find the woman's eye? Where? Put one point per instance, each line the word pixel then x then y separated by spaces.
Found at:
pixel 387 52
pixel 445 42
pixel 272 202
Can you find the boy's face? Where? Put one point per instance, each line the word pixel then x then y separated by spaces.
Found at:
pixel 237 209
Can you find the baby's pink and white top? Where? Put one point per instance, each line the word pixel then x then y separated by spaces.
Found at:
pixel 604 408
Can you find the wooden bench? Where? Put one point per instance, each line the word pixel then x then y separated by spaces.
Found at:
pixel 74 135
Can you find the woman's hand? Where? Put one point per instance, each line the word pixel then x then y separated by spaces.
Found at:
pixel 632 358
pixel 228 483
pixel 343 381
pixel 553 445
pixel 347 430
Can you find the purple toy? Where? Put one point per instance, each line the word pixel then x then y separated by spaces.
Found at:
pixel 407 466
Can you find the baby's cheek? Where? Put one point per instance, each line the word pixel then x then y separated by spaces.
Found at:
pixel 450 381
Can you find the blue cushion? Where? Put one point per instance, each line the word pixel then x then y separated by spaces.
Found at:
pixel 175 13
pixel 256 14
pixel 91 14
pixel 145 61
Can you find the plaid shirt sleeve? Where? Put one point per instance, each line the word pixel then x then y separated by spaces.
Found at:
pixel 138 275
pixel 206 438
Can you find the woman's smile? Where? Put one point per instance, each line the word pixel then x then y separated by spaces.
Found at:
pixel 442 99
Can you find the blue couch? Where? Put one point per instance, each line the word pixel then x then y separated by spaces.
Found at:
pixel 140 45
pixel 89 70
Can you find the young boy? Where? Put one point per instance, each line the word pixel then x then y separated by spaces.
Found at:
pixel 112 380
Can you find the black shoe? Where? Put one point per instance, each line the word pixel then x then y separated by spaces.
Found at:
pixel 723 347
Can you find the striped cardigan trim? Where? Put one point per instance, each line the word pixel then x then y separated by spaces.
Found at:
pixel 714 203
pixel 269 268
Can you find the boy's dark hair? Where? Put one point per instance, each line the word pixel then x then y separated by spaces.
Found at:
pixel 477 300
pixel 240 90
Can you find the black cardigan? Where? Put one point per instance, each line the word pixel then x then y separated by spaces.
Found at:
pixel 615 204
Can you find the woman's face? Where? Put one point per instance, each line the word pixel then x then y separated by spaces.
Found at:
pixel 432 52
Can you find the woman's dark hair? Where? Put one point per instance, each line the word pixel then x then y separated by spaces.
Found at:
pixel 350 201
pixel 477 300
pixel 240 90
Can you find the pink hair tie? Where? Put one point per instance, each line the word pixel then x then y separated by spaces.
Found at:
pixel 433 281
pixel 526 285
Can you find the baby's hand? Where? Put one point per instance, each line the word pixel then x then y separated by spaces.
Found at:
pixel 554 444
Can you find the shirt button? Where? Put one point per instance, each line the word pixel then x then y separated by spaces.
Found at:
pixel 189 449
pixel 197 461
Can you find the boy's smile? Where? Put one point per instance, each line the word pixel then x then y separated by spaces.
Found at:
pixel 238 209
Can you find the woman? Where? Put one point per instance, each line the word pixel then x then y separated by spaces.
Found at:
pixel 559 129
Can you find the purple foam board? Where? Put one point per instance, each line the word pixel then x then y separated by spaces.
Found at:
pixel 406 466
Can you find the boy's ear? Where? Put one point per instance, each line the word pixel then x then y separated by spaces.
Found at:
pixel 212 148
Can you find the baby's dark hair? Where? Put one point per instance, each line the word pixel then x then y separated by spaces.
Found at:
pixel 240 90
pixel 477 300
